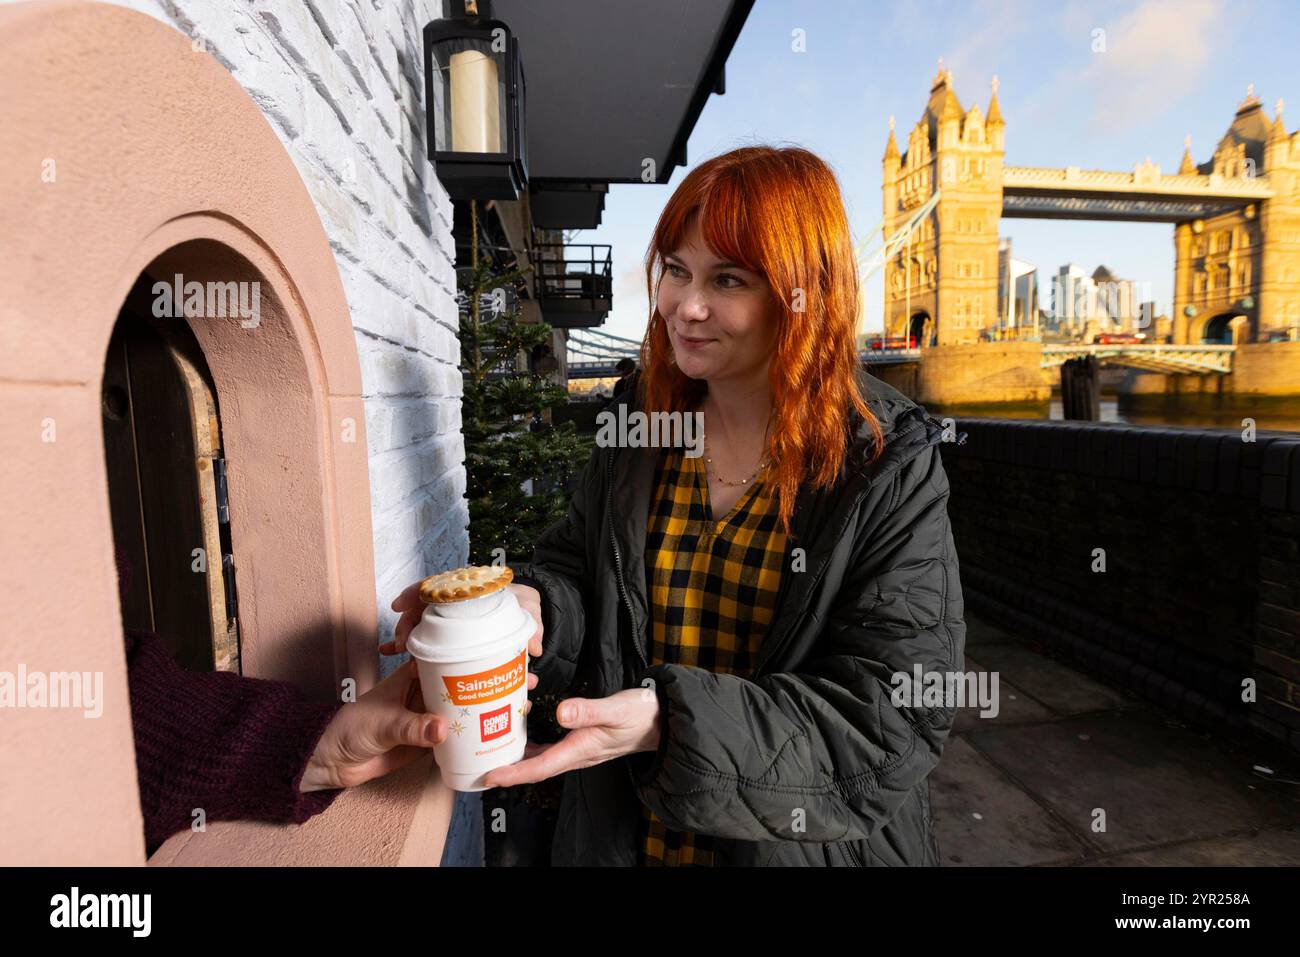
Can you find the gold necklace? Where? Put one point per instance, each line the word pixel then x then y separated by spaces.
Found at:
pixel 745 481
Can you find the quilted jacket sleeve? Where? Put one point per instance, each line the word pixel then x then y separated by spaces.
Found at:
pixel 823 753
pixel 558 570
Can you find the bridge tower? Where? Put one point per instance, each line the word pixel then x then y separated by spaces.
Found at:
pixel 1237 274
pixel 943 285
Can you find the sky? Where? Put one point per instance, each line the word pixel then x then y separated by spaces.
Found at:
pixel 1169 69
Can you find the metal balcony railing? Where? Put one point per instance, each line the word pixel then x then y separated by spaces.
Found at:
pixel 574 282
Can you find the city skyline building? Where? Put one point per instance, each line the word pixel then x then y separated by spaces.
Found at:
pixel 1017 294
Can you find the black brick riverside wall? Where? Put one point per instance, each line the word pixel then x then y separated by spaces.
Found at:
pixel 1201 532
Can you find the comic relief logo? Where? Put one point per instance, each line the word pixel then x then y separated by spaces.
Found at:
pixel 494 724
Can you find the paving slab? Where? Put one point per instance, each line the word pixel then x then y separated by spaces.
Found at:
pixel 1158 781
pixel 1057 686
pixel 1271 848
pixel 982 819
pixel 1014 706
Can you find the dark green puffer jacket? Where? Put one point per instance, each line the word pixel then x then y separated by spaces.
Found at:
pixel 807 762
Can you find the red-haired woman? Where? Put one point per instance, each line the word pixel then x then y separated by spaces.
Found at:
pixel 732 625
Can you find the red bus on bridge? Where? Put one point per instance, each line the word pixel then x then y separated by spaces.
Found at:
pixel 893 342
pixel 1119 338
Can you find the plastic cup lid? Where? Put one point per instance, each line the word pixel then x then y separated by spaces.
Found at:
pixel 495 619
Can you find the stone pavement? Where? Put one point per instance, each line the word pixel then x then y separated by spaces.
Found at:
pixel 1021 788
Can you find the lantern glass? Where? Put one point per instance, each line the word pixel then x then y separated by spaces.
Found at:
pixel 471 96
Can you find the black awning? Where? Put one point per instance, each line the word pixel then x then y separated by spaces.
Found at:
pixel 613 82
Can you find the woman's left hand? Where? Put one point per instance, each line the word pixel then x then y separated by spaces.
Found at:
pixel 602 729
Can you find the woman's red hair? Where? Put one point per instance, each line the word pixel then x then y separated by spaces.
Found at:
pixel 778 213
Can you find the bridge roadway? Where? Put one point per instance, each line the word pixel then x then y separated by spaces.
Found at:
pixel 1144 195
pixel 1154 357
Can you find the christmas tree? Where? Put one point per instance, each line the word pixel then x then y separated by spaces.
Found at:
pixel 517 463
pixel 517 468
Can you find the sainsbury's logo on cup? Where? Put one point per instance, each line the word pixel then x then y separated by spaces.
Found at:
pixel 487 685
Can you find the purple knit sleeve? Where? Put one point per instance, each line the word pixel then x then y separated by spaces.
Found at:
pixel 236 747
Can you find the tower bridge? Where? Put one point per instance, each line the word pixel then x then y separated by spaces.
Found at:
pixel 1236 219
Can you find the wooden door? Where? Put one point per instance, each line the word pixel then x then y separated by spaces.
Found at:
pixel 166 477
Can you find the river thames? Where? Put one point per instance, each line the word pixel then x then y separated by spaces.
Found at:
pixel 1281 414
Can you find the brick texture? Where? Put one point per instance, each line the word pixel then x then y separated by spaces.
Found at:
pixel 1168 558
pixel 341 82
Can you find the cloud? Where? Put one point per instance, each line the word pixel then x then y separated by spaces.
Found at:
pixel 973 39
pixel 1153 57
pixel 987 40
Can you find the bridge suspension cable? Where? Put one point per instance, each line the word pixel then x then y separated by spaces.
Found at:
pixel 872 263
pixel 602 346
pixel 606 335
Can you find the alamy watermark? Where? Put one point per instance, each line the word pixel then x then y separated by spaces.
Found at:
pixel 130 911
pixel 946 689
pixel 636 429
pixel 211 300
pixel 1077 298
pixel 53 689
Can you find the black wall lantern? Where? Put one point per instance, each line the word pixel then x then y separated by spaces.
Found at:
pixel 474 107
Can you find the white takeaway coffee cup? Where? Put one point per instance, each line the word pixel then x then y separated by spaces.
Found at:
pixel 472 654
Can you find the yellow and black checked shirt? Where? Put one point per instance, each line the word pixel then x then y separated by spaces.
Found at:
pixel 713 590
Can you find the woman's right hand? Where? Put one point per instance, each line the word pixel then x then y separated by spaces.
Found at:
pixel 411 608
pixel 530 600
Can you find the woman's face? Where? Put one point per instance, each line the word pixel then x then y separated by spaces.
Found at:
pixel 721 319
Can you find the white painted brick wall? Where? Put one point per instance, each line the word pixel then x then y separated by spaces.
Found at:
pixel 341 82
